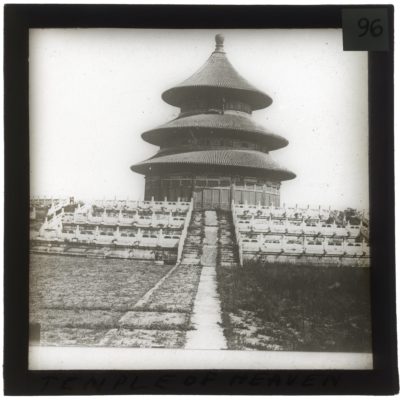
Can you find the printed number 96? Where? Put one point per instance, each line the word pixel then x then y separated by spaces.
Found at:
pixel 374 28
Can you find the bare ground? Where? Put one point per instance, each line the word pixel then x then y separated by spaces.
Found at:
pixel 91 302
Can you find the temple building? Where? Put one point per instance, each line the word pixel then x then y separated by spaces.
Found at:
pixel 213 151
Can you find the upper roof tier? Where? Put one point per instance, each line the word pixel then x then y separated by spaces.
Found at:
pixel 217 74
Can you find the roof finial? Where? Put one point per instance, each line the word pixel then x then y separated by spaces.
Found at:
pixel 219 42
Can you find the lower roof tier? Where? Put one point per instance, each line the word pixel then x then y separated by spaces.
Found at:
pixel 234 124
pixel 236 160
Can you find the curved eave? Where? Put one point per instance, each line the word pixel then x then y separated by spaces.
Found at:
pixel 179 95
pixel 217 76
pixel 204 123
pixel 250 160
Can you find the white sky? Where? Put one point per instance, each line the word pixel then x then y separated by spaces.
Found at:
pixel 94 91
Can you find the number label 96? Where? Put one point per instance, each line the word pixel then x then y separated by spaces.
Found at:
pixel 366 29
pixel 373 27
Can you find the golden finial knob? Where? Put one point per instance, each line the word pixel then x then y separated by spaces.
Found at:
pixel 219 42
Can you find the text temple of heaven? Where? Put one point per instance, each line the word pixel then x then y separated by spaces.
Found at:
pixel 213 151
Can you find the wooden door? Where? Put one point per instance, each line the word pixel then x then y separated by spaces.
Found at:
pixel 215 199
pixel 259 198
pixel 207 198
pixel 198 199
pixel 238 197
pixel 212 199
pixel 225 199
pixel 252 197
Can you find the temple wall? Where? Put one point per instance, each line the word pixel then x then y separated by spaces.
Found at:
pixel 326 261
pixel 213 191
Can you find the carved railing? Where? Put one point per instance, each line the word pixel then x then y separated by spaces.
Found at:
pixel 184 231
pixel 237 233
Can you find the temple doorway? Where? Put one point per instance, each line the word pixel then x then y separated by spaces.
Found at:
pixel 212 199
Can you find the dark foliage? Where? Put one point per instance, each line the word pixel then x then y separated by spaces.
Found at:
pixel 303 308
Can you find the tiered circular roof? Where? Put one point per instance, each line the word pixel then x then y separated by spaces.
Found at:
pixel 248 159
pixel 217 73
pixel 239 125
pixel 216 77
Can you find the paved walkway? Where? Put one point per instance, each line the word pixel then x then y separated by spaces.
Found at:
pixel 206 317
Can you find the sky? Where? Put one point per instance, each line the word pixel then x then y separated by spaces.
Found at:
pixel 94 91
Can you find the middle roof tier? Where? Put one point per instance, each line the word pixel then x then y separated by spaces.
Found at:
pixel 236 125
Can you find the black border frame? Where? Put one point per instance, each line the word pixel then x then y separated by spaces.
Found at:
pixel 383 379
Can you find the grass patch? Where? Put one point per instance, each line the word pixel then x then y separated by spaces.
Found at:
pixel 80 301
pixel 85 296
pixel 297 308
pixel 59 282
pixel 144 338
pixel 177 292
pixel 66 336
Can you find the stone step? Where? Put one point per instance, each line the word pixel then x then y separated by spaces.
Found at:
pixel 193 261
pixel 192 248
pixel 191 243
pixel 191 251
pixel 228 253
pixel 229 264
pixel 191 255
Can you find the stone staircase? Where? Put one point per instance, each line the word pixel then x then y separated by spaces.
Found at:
pixel 227 250
pixel 205 320
pixel 192 249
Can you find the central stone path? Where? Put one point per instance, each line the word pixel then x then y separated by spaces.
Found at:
pixel 206 317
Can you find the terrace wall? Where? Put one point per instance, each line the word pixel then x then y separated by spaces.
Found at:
pixel 87 250
pixel 326 261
